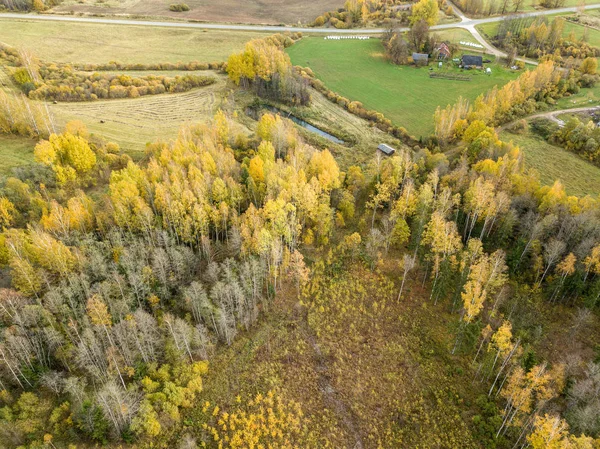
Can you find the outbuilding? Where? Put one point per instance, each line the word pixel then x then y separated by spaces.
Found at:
pixel 444 51
pixel 386 149
pixel 420 58
pixel 472 62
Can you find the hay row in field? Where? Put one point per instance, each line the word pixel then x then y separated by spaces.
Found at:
pixel 134 122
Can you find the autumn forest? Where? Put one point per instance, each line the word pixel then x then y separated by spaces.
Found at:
pixel 245 283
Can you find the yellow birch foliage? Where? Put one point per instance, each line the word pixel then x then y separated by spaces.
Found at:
pixel 552 432
pixel 68 155
pixel 268 421
pixel 473 298
pixel 7 213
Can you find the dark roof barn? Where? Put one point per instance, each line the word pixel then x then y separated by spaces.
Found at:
pixel 472 61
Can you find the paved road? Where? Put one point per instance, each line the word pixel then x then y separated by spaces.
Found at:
pixel 465 22
pixel 469 25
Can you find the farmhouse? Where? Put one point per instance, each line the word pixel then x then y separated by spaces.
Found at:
pixel 420 58
pixel 386 149
pixel 444 51
pixel 472 62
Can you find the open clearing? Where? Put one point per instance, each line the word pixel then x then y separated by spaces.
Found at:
pixel 96 43
pixel 366 368
pixel 585 97
pixel 134 122
pixel 362 137
pixel 233 11
pixel 577 175
pixel 358 70
pixel 15 151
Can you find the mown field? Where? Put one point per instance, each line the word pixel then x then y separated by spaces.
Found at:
pixel 14 151
pixel 232 11
pixel 577 175
pixel 100 43
pixel 134 122
pixel 359 71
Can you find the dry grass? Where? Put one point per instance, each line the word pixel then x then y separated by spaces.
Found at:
pixel 100 43
pixel 134 122
pixel 363 365
pixel 363 137
pixel 233 11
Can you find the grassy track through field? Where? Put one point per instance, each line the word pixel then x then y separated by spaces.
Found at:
pixel 552 162
pixel 357 69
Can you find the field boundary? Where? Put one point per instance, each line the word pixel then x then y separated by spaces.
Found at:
pixel 450 76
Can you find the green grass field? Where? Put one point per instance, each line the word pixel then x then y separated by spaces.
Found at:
pixel 577 175
pixel 455 35
pixel 14 151
pixel 99 43
pixel 585 97
pixel 579 30
pixel 405 94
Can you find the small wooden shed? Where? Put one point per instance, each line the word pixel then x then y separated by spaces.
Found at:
pixel 386 149
pixel 420 58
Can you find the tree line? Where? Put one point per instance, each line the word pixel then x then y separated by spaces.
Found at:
pixel 473 123
pixel 266 68
pixel 28 5
pixel 543 39
pixel 360 12
pixel 580 137
pixel 63 84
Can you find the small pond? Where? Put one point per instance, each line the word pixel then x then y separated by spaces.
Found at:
pixel 305 125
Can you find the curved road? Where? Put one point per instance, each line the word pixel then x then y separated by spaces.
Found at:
pixel 465 22
pixel 551 115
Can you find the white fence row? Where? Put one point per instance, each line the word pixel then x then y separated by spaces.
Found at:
pixel 471 44
pixel 337 38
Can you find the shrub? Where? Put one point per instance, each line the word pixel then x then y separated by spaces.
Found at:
pixel 519 127
pixel 543 127
pixel 588 80
pixel 64 84
pixel 179 7
pixel 21 76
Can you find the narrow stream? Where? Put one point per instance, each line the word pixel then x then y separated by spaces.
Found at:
pixel 305 125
